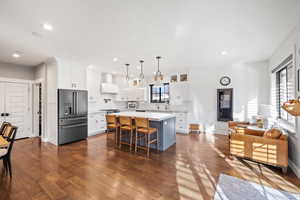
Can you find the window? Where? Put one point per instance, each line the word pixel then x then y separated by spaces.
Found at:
pixel 159 94
pixel 285 90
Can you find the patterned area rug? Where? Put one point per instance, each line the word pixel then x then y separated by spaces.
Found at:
pixel 232 188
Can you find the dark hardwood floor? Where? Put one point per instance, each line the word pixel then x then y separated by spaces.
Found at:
pixel 94 169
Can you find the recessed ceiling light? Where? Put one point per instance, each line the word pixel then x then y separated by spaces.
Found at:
pixel 16 55
pixel 91 66
pixel 48 27
pixel 224 53
pixel 115 59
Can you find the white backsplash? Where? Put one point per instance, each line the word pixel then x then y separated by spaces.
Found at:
pixel 164 106
pixel 95 106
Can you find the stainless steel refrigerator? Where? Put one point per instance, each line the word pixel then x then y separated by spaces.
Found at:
pixel 72 115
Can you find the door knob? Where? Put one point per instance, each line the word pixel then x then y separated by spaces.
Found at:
pixel 2 114
pixel 6 114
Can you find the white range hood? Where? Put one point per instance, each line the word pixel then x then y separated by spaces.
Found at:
pixel 108 87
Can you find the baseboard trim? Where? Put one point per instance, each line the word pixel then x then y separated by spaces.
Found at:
pixel 294 168
pixel 45 139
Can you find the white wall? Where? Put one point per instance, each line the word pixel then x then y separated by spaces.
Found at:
pixel 16 72
pixel 290 46
pixel 40 72
pixel 51 101
pixel 47 74
pixel 250 83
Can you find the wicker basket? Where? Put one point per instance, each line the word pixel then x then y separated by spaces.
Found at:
pixel 292 107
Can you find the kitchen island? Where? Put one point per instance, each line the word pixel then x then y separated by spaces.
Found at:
pixel 164 122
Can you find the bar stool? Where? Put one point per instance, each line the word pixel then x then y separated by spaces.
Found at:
pixel 126 125
pixel 143 127
pixel 112 123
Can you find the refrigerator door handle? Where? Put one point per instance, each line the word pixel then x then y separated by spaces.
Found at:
pixel 76 102
pixel 73 103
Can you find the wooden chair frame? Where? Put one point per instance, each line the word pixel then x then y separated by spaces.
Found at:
pixel 126 125
pixel 6 158
pixel 144 123
pixel 3 126
pixel 113 120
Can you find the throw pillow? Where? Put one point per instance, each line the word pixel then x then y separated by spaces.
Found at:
pixel 273 133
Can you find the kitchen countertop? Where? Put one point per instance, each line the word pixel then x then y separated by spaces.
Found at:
pixel 165 111
pixel 155 116
pixel 96 111
pixel 151 111
pixel 104 110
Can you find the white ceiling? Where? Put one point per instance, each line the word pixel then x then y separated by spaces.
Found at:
pixel 186 33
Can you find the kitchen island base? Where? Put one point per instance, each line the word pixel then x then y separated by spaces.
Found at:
pixel 164 123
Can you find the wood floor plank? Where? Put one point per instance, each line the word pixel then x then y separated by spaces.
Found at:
pixel 94 169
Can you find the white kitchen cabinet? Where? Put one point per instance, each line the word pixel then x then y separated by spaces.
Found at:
pixel 93 85
pixel 179 93
pixel 141 94
pixel 122 95
pixel 109 88
pixel 181 122
pixel 132 94
pixel 96 123
pixel 71 75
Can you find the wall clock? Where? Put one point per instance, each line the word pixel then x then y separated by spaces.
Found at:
pixel 225 80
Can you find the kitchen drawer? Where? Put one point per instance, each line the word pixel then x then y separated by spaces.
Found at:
pixel 178 130
pixel 180 115
pixel 101 120
pixel 100 115
pixel 181 126
pixel 181 120
pixel 101 126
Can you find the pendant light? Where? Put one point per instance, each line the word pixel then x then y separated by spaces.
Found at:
pixel 142 76
pixel 158 77
pixel 127 74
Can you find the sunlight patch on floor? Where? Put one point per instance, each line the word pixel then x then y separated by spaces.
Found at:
pixel 187 184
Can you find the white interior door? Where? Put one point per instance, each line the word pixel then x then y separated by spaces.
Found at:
pixel 17 109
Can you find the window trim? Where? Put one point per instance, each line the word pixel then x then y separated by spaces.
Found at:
pixel 278 91
pixel 160 94
pixel 283 66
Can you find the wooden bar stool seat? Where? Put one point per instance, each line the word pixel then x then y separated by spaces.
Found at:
pixel 126 126
pixel 147 131
pixel 112 123
pixel 143 127
pixel 113 126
